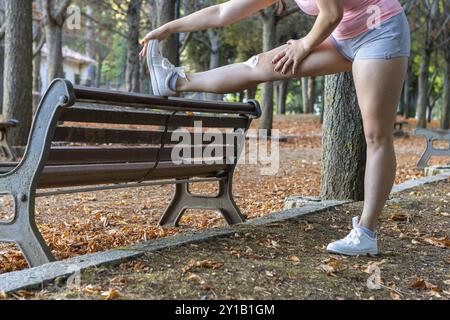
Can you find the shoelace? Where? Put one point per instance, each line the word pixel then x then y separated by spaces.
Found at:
pixel 353 237
pixel 166 64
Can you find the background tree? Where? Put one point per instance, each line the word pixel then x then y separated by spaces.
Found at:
pixel 54 16
pixel 344 146
pixel 17 98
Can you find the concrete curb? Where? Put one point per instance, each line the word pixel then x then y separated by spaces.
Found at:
pixel 33 278
pixel 410 184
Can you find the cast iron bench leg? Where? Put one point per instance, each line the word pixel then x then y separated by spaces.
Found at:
pixel 24 232
pixel 183 200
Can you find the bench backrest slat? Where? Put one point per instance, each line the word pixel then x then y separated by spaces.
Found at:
pixel 86 155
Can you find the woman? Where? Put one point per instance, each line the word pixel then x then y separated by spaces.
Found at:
pixel 371 38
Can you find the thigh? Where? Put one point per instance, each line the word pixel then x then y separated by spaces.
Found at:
pixel 323 60
pixel 379 84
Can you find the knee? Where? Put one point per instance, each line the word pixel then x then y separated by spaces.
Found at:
pixel 259 63
pixel 379 140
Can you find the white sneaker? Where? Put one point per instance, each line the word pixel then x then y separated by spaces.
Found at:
pixel 161 70
pixel 356 243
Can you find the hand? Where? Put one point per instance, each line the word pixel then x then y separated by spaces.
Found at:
pixel 160 34
pixel 291 56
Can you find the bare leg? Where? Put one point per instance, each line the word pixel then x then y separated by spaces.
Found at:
pixel 325 59
pixel 379 84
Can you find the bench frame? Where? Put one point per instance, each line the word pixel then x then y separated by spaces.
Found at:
pixel 430 150
pixel 22 181
pixel 7 151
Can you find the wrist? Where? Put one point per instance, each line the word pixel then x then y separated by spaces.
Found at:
pixel 307 44
pixel 169 27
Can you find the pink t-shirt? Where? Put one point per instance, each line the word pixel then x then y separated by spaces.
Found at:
pixel 359 15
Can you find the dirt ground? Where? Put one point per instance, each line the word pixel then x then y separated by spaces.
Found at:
pixel 287 260
pixel 84 223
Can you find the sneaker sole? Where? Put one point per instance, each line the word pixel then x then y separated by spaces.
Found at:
pixel 352 254
pixel 152 46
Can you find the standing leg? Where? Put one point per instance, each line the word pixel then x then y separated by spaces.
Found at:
pixel 379 86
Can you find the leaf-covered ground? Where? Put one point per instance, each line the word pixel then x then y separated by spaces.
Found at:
pixel 85 223
pixel 287 260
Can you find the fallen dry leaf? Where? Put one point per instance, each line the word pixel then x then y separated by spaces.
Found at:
pixel 3 295
pixel 204 264
pixel 400 217
pixel 422 284
pixel 111 294
pixel 395 296
pixel 293 259
pixel 443 242
pixel 331 266
pixel 90 289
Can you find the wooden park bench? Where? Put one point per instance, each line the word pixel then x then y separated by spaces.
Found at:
pixel 7 154
pixel 430 150
pixel 76 145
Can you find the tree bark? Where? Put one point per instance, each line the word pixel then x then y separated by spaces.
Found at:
pixel 54 17
pixel 282 96
pixel 167 12
pixel 445 117
pixel 133 62
pixel 305 103
pixel 269 40
pixel 90 47
pixel 344 146
pixel 422 100
pixel 214 41
pixel 17 99
pixel 311 94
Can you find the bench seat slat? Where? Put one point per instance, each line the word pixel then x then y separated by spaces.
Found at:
pixel 93 174
pixel 60 176
pixel 131 117
pixel 122 136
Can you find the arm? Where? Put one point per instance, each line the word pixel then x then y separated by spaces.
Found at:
pixel 219 15
pixel 331 12
pixel 212 17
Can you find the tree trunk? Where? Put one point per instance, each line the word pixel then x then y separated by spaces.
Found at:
pixel 305 95
pixel 90 47
pixel 407 92
pixel 445 117
pixel 214 63
pixel 53 34
pixel 251 93
pixel 282 96
pixel 269 40
pixel 2 67
pixel 167 12
pixel 311 94
pixel 133 62
pixel 17 99
pixel 344 147
pixel 422 100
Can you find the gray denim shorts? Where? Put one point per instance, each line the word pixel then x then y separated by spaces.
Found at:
pixel 391 39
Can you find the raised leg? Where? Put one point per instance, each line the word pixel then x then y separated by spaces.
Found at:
pixel 325 59
pixel 183 200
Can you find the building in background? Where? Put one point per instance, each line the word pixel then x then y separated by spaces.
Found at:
pixel 75 66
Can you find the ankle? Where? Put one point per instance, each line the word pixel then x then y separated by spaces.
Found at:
pixel 181 84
